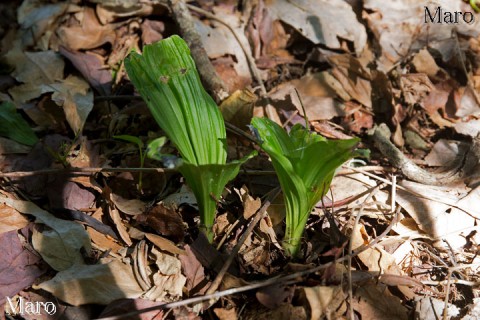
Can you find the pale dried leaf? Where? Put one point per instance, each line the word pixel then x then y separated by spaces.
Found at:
pixel 374 258
pixel 316 95
pixel 436 214
pixel 99 284
pixel 400 28
pixel 68 237
pixel 430 308
pixel 250 205
pixel 443 153
pixel 86 33
pixel 11 219
pixel 168 281
pixel 192 269
pixel 128 206
pixel 164 244
pixel 425 63
pixel 373 303
pixel 76 98
pixel 470 128
pixel 119 224
pixel 321 21
pixel 325 301
pixel 226 314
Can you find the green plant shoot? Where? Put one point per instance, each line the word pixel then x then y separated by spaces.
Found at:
pixel 166 77
pixel 14 126
pixel 305 164
pixel 140 146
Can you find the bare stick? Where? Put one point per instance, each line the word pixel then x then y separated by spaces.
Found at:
pixel 89 171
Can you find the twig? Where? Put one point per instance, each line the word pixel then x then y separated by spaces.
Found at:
pixel 462 167
pixel 258 216
pixel 207 72
pixel 89 171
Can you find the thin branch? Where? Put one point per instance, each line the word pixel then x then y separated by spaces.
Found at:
pixel 89 171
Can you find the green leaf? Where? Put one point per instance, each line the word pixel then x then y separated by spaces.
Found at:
pixel 305 164
pixel 129 138
pixel 166 77
pixel 14 126
pixel 154 147
pixel 207 183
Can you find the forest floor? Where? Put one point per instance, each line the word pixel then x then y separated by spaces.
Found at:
pixel 89 229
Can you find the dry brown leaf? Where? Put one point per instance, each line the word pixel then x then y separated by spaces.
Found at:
pixel 11 219
pixel 425 63
pixel 85 31
pixel 101 240
pixel 226 314
pixel 326 302
pixel 168 282
pixel 163 220
pixel 19 267
pixel 436 213
pixel 152 31
pixel 400 28
pixel 91 66
pixel 238 108
pixel 164 244
pixel 321 21
pixel 193 271
pixel 98 284
pixel 430 308
pixel 76 98
pixel 372 302
pixel 415 87
pixel 61 244
pixel 128 206
pixel 374 258
pixel 213 36
pixel 284 312
pixel 274 296
pixel 315 95
pixel 120 226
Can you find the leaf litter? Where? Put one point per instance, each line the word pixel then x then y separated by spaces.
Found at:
pixel 347 67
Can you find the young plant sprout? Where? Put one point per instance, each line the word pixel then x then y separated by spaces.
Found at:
pixel 305 164
pixel 166 77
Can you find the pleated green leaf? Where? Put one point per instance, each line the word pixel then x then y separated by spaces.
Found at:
pixel 305 163
pixel 166 77
pixel 207 183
